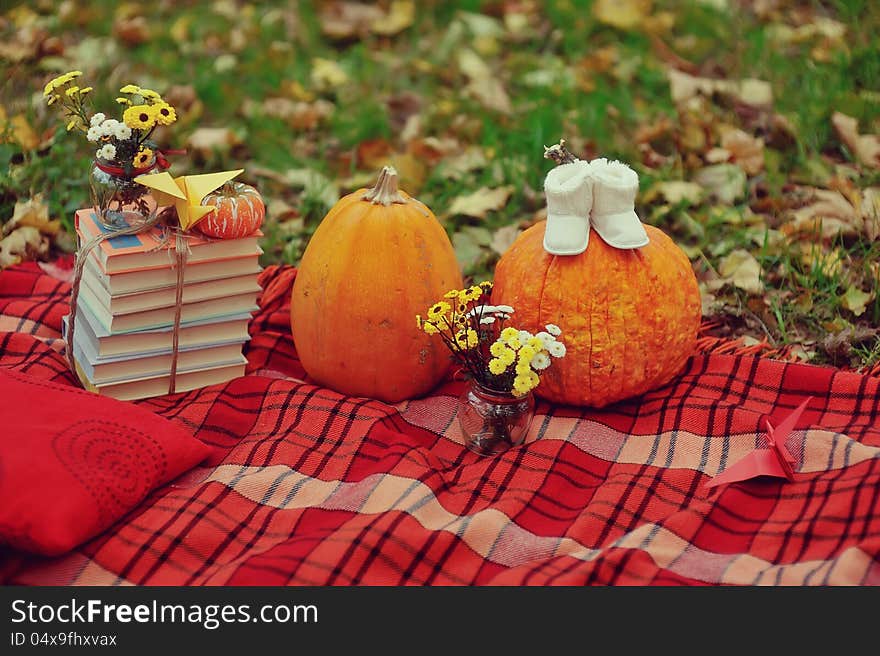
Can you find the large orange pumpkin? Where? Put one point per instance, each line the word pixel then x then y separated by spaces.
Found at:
pixel 629 318
pixel 377 259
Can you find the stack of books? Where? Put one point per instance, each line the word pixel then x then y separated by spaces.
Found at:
pixel 124 330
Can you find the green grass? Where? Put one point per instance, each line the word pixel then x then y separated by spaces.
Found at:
pixel 269 49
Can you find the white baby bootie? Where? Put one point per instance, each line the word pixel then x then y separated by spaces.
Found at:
pixel 569 193
pixel 613 215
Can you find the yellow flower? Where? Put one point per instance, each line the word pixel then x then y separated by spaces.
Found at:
pixel 536 344
pixel 130 88
pixel 467 339
pixel 84 90
pixel 438 310
pixel 521 385
pixel 509 333
pixel 72 124
pixel 497 348
pixel 526 353
pixel 534 379
pixel 461 308
pixel 419 321
pixel 52 99
pixel 496 366
pixel 514 342
pixel 144 157
pixel 72 91
pixel 149 94
pixel 486 285
pixel 165 114
pixel 123 101
pixel 507 357
pixel 139 117
pixel 430 328
pixel 452 293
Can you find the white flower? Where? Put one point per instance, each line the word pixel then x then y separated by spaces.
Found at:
pixel 97 119
pixel 485 321
pixel 108 127
pixel 524 336
pixel 553 329
pixel 480 310
pixel 556 349
pixel 506 309
pixel 107 151
pixel 94 133
pixel 541 361
pixel 121 131
pixel 546 339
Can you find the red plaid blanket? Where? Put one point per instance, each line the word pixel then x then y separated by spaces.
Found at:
pixel 311 487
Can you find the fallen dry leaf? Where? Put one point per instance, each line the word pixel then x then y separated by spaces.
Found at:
pixel 33 212
pixel 855 300
pixel 348 20
pixel 870 207
pixel 327 74
pixel 20 131
pixel 675 192
pixel 726 182
pixel 827 214
pixel 479 203
pixel 207 141
pixel 400 16
pixel 132 31
pixel 865 147
pixel 741 269
pixel 503 238
pixel 750 91
pixel 745 150
pixel 622 14
pixel 483 85
pixel 24 243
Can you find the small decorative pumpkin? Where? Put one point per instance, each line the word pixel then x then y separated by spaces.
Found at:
pixel 240 211
pixel 630 316
pixel 377 259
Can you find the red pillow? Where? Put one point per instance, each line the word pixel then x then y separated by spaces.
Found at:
pixel 73 462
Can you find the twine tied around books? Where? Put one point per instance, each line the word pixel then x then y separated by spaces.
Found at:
pixel 181 251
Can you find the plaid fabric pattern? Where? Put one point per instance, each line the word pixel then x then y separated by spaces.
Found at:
pixel 307 486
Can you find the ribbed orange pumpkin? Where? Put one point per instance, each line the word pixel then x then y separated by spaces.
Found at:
pixel 239 212
pixel 377 260
pixel 629 318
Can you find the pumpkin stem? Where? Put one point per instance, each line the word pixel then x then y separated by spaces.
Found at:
pixel 559 153
pixel 385 192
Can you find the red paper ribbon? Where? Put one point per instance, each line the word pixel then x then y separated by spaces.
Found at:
pixel 161 162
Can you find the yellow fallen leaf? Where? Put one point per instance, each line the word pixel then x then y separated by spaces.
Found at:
pixel 24 243
pixel 742 270
pixel 855 300
pixel 675 192
pixel 865 147
pixel 483 85
pixel 33 212
pixel 327 74
pixel 481 202
pixel 400 16
pixel 503 238
pixel 22 132
pixel 623 14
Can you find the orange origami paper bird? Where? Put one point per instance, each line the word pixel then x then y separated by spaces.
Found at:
pixel 775 461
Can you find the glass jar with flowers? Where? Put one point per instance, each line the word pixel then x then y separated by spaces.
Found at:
pixel 502 365
pixel 124 148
